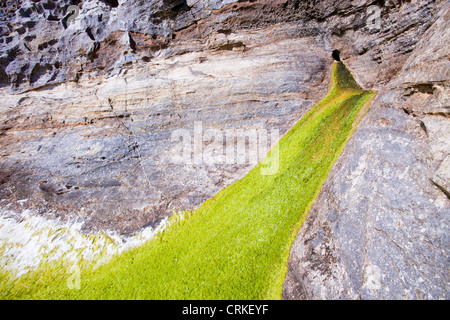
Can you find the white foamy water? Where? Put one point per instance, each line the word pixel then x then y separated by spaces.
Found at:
pixel 34 240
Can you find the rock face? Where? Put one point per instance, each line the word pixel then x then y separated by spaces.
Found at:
pixel 94 107
pixel 379 229
pixel 103 149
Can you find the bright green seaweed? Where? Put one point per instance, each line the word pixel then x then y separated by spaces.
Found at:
pixel 236 246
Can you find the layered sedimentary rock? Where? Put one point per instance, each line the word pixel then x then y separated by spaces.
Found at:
pixel 103 149
pixel 91 106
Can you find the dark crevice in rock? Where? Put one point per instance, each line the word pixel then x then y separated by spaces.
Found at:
pixel 424 88
pixel 47 44
pixel 132 43
pixel 169 10
pixel 445 191
pixel 231 46
pixel 92 53
pixel 224 31
pixel 49 5
pixel 408 112
pixel 424 127
pixel 111 3
pixel 4 79
pixel 89 33
pixel 39 71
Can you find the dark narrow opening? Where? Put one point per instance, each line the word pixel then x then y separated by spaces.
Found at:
pixel 336 55
pixel 112 3
pixel 89 33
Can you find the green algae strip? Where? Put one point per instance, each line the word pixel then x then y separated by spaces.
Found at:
pixel 236 245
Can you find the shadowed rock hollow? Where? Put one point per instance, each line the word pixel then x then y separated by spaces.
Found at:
pixel 89 110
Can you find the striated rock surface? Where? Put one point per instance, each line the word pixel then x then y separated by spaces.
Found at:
pixel 93 107
pixel 46 42
pixel 104 149
pixel 379 229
